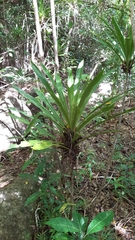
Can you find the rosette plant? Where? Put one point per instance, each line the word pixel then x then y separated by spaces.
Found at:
pixel 65 108
pixel 63 117
pixel 119 43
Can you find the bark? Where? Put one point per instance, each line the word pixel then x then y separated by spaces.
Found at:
pixel 132 12
pixel 38 30
pixel 55 42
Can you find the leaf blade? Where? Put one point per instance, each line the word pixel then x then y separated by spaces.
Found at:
pixel 62 225
pixel 100 221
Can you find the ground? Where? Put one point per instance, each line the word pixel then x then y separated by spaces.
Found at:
pixel 117 191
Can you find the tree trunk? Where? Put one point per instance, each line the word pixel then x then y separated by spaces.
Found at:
pixel 132 12
pixel 56 68
pixel 38 29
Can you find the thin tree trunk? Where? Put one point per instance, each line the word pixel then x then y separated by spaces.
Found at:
pixel 5 24
pixel 38 29
pixel 132 12
pixel 55 43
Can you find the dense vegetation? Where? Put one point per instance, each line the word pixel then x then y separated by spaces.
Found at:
pixel 64 51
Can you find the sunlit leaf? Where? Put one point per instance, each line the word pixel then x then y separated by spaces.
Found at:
pixel 64 206
pixel 62 225
pixel 100 221
pixel 36 144
pixel 79 220
pixel 40 145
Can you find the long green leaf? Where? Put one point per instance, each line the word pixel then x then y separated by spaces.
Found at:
pixel 38 104
pixel 79 221
pixel 88 89
pixel 22 113
pixel 89 118
pixel 30 98
pixel 70 89
pixel 121 113
pixel 129 46
pixel 31 124
pixel 33 198
pixel 43 79
pixel 74 117
pixel 101 109
pixel 46 71
pixel 28 177
pixel 49 89
pixel 91 87
pixel 78 83
pixel 60 89
pixel 117 42
pixel 74 89
pixel 21 119
pixel 85 96
pixel 28 162
pixel 111 46
pixel 116 34
pixel 50 108
pixel 63 225
pixel 76 136
pixel 78 75
pixel 57 85
pixel 100 221
pixel 119 35
pixel 74 95
pixel 115 46
pixel 47 131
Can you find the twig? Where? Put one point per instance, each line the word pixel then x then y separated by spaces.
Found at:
pixel 8 129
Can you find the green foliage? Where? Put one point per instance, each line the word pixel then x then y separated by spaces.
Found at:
pixel 78 226
pixel 117 183
pixel 65 107
pixel 124 185
pixel 62 115
pixel 120 44
pixel 36 144
pixel 48 197
pixel 40 236
pixel 124 181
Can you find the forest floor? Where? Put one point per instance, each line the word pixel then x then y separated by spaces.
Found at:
pixel 118 190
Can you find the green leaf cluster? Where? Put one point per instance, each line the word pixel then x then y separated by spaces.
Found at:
pixel 65 106
pixel 119 43
pixel 79 226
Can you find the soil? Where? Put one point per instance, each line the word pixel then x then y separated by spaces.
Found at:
pixel 95 158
